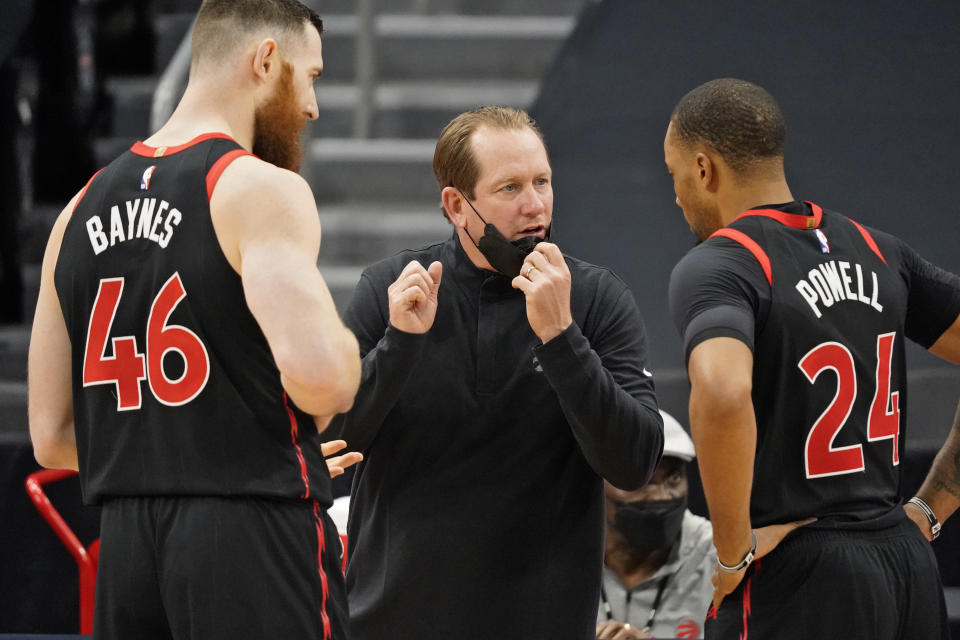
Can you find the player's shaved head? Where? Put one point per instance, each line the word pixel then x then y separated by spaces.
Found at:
pixel 737 119
pixel 224 25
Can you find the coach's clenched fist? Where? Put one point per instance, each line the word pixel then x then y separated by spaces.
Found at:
pixel 545 280
pixel 413 297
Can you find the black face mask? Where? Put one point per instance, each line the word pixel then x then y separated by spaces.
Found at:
pixel 504 256
pixel 649 525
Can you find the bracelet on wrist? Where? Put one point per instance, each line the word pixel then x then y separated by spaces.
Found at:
pixel 931 516
pixel 747 559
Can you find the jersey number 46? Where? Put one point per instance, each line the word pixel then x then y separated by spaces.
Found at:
pixel 820 456
pixel 128 366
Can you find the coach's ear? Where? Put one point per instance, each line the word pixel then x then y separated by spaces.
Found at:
pixel 453 204
pixel 264 59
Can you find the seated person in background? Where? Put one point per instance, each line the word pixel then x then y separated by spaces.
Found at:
pixel 659 557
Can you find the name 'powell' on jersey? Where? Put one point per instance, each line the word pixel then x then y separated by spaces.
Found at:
pixel 831 282
pixel 144 218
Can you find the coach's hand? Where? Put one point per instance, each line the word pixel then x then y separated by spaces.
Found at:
pixel 768 538
pixel 545 280
pixel 338 464
pixel 413 297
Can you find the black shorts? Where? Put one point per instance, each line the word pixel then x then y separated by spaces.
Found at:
pixel 829 583
pixel 204 568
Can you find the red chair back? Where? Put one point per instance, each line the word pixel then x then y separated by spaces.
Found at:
pixel 86 557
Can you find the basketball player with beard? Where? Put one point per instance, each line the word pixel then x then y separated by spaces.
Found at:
pixel 186 352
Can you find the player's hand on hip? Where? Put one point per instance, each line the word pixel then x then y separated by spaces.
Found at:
pixel 412 298
pixel 919 518
pixel 545 280
pixel 768 538
pixel 338 464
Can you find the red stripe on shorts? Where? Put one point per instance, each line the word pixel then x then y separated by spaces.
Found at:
pixel 325 588
pixel 294 431
pixel 746 603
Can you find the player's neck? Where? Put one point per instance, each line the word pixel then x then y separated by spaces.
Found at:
pixel 753 194
pixel 206 109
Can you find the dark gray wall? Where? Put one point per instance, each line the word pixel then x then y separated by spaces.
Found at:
pixel 871 93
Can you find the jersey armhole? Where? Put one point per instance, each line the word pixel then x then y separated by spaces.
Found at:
pixel 213 175
pixel 751 246
pixel 83 191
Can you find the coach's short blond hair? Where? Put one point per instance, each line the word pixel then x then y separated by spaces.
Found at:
pixel 454 163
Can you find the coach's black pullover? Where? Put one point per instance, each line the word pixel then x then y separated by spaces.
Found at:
pixel 478 512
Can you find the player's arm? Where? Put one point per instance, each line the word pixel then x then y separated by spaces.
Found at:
pixel 267 224
pixel 947 345
pixel 49 378
pixel 933 321
pixel 724 431
pixel 941 488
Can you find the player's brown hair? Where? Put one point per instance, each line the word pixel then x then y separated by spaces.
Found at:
pixel 454 163
pixel 736 118
pixel 220 24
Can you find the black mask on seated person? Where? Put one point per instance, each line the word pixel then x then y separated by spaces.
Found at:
pixel 504 256
pixel 649 525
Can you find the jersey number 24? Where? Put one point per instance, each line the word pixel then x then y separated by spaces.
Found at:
pixel 127 366
pixel 820 456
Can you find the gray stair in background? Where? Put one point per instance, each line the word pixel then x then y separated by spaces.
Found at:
pixel 169 31
pixel 362 234
pixel 374 170
pixel 13 407
pixel 418 47
pixel 14 340
pixel 465 47
pixel 377 196
pixel 493 7
pixel 132 98
pixel 414 109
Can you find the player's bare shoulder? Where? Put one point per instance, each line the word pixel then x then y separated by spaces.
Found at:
pixel 254 199
pixel 249 183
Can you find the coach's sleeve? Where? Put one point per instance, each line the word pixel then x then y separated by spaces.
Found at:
pixel 605 390
pixel 389 355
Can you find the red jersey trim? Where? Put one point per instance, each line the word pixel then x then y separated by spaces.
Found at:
pixel 324 585
pixel 220 166
pixel 789 219
pixel 751 246
pixel 869 240
pixel 294 431
pixel 83 191
pixel 158 152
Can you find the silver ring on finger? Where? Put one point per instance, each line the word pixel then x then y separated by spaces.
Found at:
pixel 526 272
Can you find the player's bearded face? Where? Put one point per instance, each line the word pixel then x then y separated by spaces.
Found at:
pixel 277 124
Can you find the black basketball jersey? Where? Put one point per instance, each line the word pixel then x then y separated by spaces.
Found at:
pixel 175 389
pixel 829 384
